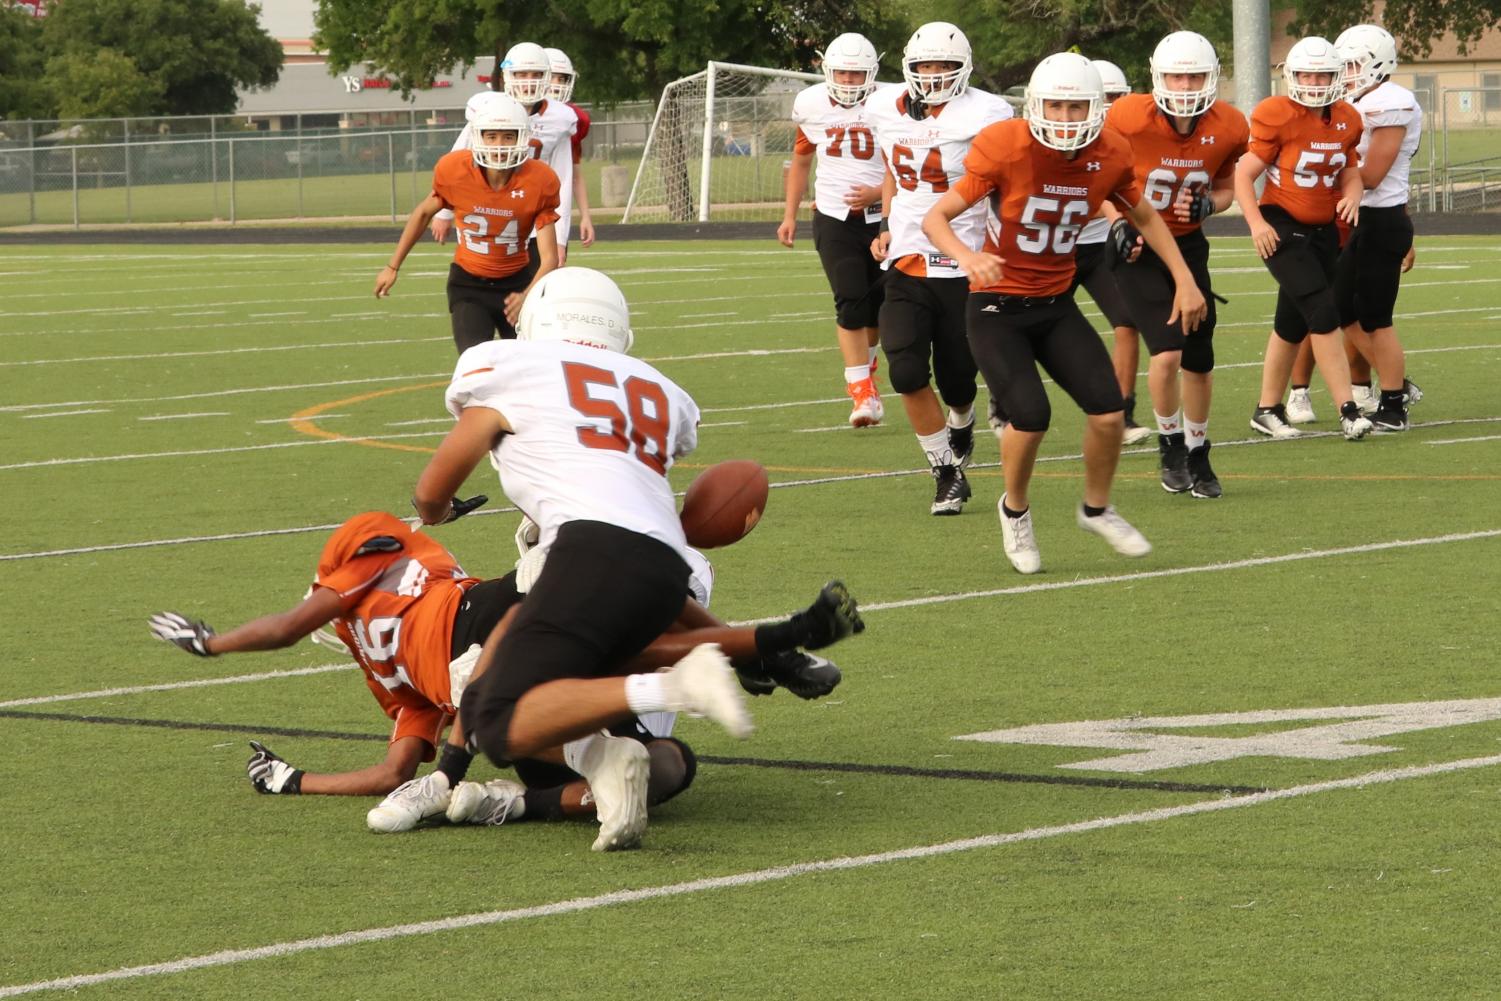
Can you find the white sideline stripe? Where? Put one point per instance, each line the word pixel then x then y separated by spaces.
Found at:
pixel 753 877
pixel 173 685
pixel 61 413
pixel 179 417
pixel 83 460
pixel 1461 441
pixel 235 392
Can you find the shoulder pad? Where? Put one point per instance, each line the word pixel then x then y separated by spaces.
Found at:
pixel 379 544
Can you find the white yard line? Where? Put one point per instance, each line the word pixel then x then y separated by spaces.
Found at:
pixel 170 686
pixel 180 417
pixel 62 413
pixel 1462 441
pixel 754 877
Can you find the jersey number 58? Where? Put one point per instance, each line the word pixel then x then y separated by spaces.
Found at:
pixel 645 428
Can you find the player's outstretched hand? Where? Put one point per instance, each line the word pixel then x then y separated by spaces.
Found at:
pixel 440 228
pixel 1193 204
pixel 832 617
pixel 1265 238
pixel 787 232
pixel 1348 209
pixel 270 774
pixel 384 281
pixel 513 307
pixel 803 674
pixel 462 507
pixel 983 269
pixel 181 631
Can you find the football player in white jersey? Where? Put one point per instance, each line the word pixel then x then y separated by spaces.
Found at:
pixel 831 124
pixel 560 85
pixel 924 132
pixel 1098 278
pixel 525 74
pixel 1370 266
pixel 582 435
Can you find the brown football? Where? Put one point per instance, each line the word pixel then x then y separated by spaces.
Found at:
pixel 724 503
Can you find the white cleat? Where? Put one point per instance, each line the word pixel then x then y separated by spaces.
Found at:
pixel 703 683
pixel 1273 422
pixel 1355 428
pixel 1135 435
pixel 1367 399
pixel 1018 540
pixel 1299 407
pixel 410 803
pixel 492 802
pixel 1114 529
pixel 617 774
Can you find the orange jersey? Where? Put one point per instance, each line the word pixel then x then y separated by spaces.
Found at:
pixel 399 592
pixel 1167 162
pixel 1040 199
pixel 494 226
pixel 1304 153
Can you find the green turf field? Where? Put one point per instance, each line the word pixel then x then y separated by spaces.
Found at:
pixel 184 425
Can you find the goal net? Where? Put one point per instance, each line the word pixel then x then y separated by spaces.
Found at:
pixel 718 146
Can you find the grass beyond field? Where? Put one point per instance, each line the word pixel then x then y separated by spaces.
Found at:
pixel 184 425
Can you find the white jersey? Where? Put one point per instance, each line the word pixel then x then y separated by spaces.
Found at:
pixel 553 126
pixel 845 146
pixel 1389 105
pixel 1094 231
pixel 594 433
pixel 925 158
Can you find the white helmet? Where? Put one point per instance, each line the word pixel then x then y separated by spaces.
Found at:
pixel 526 57
pixel 937 42
pixel 501 113
pixel 1112 77
pixel 481 102
pixel 1185 52
pixel 851 52
pixel 562 77
pixel 1065 76
pixel 580 305
pixel 1314 55
pixel 1370 55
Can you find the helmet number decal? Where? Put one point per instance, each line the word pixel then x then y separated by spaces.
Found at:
pixel 645 429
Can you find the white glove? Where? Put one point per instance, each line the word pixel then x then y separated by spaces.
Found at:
pixel 529 568
pixel 460 670
pixel 527 536
pixel 182 632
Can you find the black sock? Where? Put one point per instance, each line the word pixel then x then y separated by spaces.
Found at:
pixel 1297 387
pixel 1010 513
pixel 1392 399
pixel 543 804
pixel 1093 512
pixel 454 762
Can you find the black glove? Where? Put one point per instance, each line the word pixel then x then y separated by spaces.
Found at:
pixel 803 674
pixel 270 774
pixel 189 634
pixel 832 617
pixel 1201 205
pixel 458 508
pixel 1125 238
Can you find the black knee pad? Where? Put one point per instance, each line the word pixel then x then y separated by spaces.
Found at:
pixel 1319 311
pixel 668 776
pixel 907 367
pixel 1030 417
pixel 1373 318
pixel 1198 352
pixel 857 300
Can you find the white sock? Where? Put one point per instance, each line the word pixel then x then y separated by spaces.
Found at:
pixel 961 418
pixel 582 754
pixel 1198 434
pixel 645 693
pixel 936 447
pixel 1169 425
pixel 854 374
pixel 872 362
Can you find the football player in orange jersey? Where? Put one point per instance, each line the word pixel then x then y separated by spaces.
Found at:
pixel 1044 178
pixel 1186 143
pixel 1305 144
pixel 500 194
pixel 413 621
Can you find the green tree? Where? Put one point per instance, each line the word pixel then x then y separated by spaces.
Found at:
pixel 622 49
pixel 22 60
pixel 101 84
pixel 1417 24
pixel 197 52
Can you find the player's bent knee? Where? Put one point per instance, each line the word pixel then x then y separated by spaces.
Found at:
pixel 1198 355
pixel 487 721
pixel 907 369
pixel 673 767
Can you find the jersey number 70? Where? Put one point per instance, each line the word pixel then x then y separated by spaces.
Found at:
pixel 645 429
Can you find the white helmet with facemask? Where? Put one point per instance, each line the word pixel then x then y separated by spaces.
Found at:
pixel 579 305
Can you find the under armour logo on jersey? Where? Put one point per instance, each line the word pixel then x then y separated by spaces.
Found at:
pixel 518 193
pixel 1092 165
pixel 1206 140
pixel 1340 126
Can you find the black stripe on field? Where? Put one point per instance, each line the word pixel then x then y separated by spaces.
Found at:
pixel 713 759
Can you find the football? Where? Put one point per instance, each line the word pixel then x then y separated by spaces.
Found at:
pixel 724 503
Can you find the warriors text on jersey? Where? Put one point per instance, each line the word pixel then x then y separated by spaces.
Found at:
pixel 846 148
pixel 1305 150
pixel 1167 162
pixel 493 225
pixel 1390 106
pixel 593 433
pixel 398 594
pixel 1039 200
pixel 925 158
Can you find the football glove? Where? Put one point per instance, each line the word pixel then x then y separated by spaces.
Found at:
pixel 270 774
pixel 189 634
pixel 803 674
pixel 1125 238
pixel 1201 205
pixel 528 534
pixel 458 508
pixel 832 617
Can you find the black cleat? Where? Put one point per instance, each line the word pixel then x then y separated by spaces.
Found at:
pixel 803 674
pixel 952 490
pixel 1389 420
pixel 1173 455
pixel 1206 486
pixel 962 444
pixel 1414 393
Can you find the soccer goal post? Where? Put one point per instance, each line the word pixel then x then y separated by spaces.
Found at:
pixel 717 146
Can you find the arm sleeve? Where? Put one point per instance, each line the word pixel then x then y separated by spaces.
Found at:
pixel 982 165
pixel 352 579
pixel 687 436
pixel 479 380
pixel 802 145
pixel 1127 188
pixel 1264 140
pixel 548 202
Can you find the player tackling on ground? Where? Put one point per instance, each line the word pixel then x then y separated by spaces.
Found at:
pixel 1039 181
pixel 831 121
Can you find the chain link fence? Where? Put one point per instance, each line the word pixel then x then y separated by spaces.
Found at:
pixel 201 169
